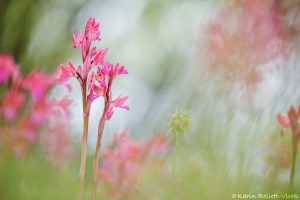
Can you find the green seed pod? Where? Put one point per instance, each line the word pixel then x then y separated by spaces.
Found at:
pixel 180 122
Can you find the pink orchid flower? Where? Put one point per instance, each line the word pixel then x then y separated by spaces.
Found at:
pixel 105 77
pixel 117 103
pixel 93 84
pixel 119 69
pixel 94 57
pixel 92 28
pixel 99 83
pixel 77 40
pixel 113 71
pixel 90 56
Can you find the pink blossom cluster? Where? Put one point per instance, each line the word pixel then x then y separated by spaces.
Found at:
pixel 125 159
pixel 25 107
pixel 96 83
pixel 246 35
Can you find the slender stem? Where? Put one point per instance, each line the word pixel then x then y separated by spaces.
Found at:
pixel 101 125
pixel 84 141
pixel 97 154
pixel 175 155
pixel 171 194
pixel 292 174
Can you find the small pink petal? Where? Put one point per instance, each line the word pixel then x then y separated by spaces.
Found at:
pixel 77 40
pixel 125 107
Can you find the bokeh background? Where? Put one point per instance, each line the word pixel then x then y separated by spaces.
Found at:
pixel 233 65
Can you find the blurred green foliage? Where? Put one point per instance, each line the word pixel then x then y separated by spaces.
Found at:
pixel 21 20
pixel 200 175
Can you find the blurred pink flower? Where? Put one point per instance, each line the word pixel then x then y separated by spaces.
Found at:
pixel 291 120
pixel 8 68
pixel 124 161
pixel 61 107
pixel 38 83
pixel 68 71
pixel 246 35
pixel 283 121
pixel 28 120
pixel 40 112
pixel 12 101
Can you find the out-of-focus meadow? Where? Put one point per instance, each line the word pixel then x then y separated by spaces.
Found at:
pixel 206 81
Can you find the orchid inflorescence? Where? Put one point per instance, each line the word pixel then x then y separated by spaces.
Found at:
pixel 98 83
pixel 94 84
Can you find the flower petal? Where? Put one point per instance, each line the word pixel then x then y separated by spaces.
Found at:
pixel 283 121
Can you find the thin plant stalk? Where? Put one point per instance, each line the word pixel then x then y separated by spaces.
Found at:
pixel 177 138
pixel 84 142
pixel 96 158
pixel 175 155
pixel 99 139
pixel 294 152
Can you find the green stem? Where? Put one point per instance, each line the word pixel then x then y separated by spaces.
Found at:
pixel 175 155
pixel 171 194
pixel 293 166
